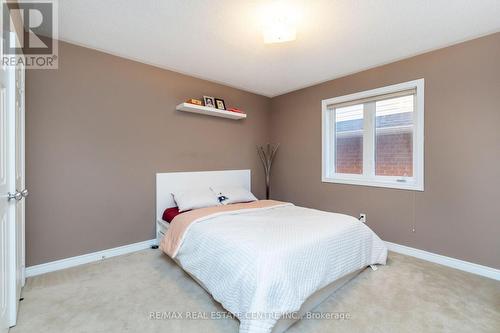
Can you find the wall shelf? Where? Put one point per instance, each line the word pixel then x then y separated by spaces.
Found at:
pixel 188 107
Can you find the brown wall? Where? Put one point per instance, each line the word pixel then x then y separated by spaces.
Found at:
pixel 458 214
pixel 97 131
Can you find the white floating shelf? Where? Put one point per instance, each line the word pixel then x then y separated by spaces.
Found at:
pixel 188 107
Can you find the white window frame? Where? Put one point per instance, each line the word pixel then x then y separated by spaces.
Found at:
pixel 368 178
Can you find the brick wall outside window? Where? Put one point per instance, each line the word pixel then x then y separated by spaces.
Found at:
pixel 349 152
pixel 394 154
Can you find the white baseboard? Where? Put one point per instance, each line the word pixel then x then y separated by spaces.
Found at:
pixel 462 265
pixel 87 258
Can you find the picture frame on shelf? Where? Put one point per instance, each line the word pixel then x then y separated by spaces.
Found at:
pixel 209 101
pixel 219 104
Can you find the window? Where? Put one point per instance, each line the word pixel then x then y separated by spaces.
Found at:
pixel 376 137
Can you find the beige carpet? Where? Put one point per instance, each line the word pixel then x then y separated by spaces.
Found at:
pixel 118 294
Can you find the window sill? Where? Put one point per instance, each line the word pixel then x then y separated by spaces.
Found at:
pixel 374 183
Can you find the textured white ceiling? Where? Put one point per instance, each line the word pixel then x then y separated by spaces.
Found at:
pixel 221 40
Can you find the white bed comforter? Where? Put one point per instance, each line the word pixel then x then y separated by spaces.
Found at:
pixel 263 263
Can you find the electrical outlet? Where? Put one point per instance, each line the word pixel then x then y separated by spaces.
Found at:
pixel 362 217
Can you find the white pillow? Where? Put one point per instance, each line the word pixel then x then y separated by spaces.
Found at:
pixel 195 198
pixel 232 194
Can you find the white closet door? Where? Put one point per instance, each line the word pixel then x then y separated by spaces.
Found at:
pixel 7 187
pixel 20 188
pixel 11 186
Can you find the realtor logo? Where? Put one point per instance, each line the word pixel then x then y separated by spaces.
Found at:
pixel 30 34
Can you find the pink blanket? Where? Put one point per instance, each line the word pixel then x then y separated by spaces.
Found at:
pixel 179 226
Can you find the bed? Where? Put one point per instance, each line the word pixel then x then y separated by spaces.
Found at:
pixel 267 262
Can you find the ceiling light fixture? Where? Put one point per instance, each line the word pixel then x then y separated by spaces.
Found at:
pixel 279 22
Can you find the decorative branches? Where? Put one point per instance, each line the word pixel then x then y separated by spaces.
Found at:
pixel 267 153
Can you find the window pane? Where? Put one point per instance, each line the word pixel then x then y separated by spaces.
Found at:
pixel 349 139
pixel 394 137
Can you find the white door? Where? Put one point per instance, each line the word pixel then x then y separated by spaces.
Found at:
pixel 11 179
pixel 21 188
pixel 7 204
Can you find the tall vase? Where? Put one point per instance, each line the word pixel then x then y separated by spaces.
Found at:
pixel 267 153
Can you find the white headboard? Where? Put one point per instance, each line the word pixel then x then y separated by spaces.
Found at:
pixel 166 183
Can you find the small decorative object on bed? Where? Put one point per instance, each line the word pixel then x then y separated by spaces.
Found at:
pixel 232 194
pixel 267 154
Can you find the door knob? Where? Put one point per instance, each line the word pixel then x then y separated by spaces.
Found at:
pixel 17 196
pixel 24 193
